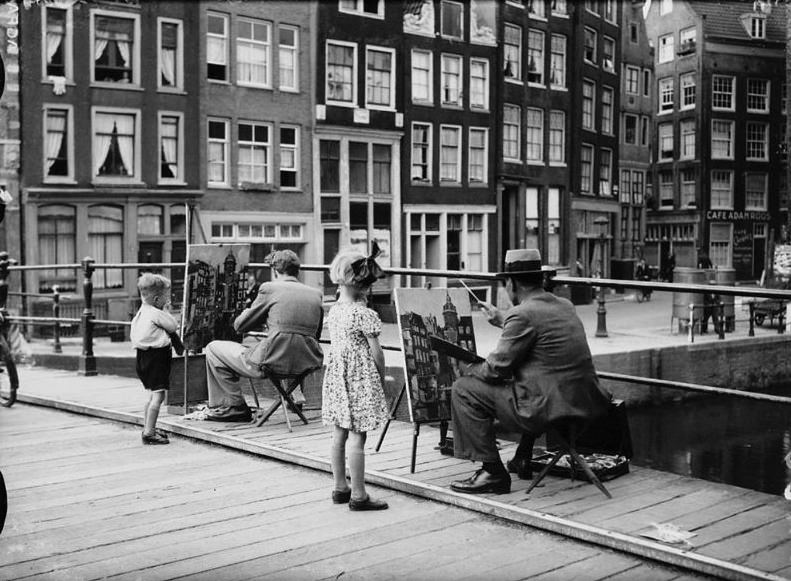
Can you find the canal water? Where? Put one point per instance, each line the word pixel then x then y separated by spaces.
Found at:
pixel 722 439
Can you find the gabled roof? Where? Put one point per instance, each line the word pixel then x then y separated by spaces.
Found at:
pixel 723 18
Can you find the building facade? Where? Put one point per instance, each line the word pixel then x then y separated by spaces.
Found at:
pixel 719 174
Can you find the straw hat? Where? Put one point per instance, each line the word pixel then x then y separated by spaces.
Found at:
pixel 524 261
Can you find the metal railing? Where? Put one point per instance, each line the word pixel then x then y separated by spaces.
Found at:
pixel 88 322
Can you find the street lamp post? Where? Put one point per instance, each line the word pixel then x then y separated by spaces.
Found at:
pixel 602 224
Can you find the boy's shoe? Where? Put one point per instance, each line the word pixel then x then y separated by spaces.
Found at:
pixel 154 439
pixel 367 504
pixel 341 496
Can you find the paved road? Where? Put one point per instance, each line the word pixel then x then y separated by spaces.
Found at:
pixel 88 501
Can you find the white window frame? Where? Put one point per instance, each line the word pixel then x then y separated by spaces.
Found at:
pixel 179 58
pixel 534 136
pixel 533 12
pixel 459 144
pixel 763 206
pixel 136 176
pixel 717 202
pixel 589 105
pixel 557 137
pixel 586 170
pixel 295 149
pixel 447 102
pixel 518 110
pixel 226 143
pixel 485 156
pixel 686 35
pixel 484 83
pixel 560 8
pixel 516 51
pixel 266 146
pixel 225 37
pixel 357 9
pixel 429 76
pixel 666 51
pixel 609 13
pixel 666 95
pixel 666 190
pixel 338 103
pixel 751 142
pixel 758 27
pixel 281 48
pixel 69 177
pixel 444 3
pixel 607 109
pixel 721 247
pixel 266 46
pixel 687 130
pixel 390 106
pixel 687 189
pixel 609 67
pixel 595 55
pixel 557 56
pixel 636 140
pixel 179 178
pixel 731 93
pixel 685 85
pixel 540 50
pixel 635 71
pixel 763 96
pixel 134 82
pixel 730 141
pixel 429 151
pixel 68 42
pixel 605 171
pixel 418 233
pixel 663 138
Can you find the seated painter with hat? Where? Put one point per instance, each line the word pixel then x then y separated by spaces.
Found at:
pixel 540 371
pixel 293 316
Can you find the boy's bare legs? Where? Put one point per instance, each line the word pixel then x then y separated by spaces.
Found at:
pixel 338 458
pixel 151 412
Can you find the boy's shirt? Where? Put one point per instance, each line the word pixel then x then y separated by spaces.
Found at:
pixel 151 328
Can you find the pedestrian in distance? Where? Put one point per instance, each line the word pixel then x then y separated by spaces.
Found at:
pixel 154 335
pixel 352 391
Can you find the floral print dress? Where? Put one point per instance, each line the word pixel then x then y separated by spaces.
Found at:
pixel 352 394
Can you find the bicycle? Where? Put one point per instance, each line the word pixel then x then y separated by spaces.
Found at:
pixel 9 376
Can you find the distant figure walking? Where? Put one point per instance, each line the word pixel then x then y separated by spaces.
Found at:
pixel 352 393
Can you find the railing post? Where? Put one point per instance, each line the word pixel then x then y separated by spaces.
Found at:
pixel 601 312
pixel 87 359
pixel 721 319
pixel 56 347
pixel 781 319
pixel 4 264
pixel 691 322
pixel 751 332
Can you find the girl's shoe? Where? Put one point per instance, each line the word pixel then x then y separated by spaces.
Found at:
pixel 154 439
pixel 341 496
pixel 367 504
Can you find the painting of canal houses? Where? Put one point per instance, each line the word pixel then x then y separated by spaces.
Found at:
pixel 215 292
pixel 423 313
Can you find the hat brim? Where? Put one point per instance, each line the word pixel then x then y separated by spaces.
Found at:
pixel 543 270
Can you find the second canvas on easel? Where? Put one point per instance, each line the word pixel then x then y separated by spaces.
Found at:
pixel 423 313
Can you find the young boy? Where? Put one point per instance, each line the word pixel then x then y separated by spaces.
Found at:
pixel 153 335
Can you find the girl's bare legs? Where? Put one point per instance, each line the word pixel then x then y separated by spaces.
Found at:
pixel 151 412
pixel 338 458
pixel 357 464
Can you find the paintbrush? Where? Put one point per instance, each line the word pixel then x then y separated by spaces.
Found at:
pixel 472 294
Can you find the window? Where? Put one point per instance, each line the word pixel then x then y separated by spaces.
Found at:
pixel 253 53
pixel 557 137
pixel 511 130
pixel 341 73
pixel 721 189
pixel 536 9
pixel 450 154
pixel 586 169
pixel 116 48
pixel 634 34
pixel 421 152
pixel 588 103
pixel 665 7
pixel 329 167
pixel 721 139
pixel 217 171
pixel 421 77
pixel 371 8
pixel 606 110
pixel 688 90
pixel 646 82
pixel 590 46
pixel 451 80
pixel 106 243
pixel 665 141
pixel 254 150
pixel 380 78
pixel 115 146
pixel 58 163
pixel 288 58
pixel 553 226
pixel 478 158
pixel 632 80
pixel 645 130
pixel 608 54
pixel 534 150
pixel 720 244
pixel 758 27
pixel 557 61
pixel 758 95
pixel 559 8
pixel 758 141
pixel 630 129
pixel 57 226
pixel 609 10
pixel 382 162
pixel 452 19
pixel 755 192
pixel 605 172
pixel 686 38
pixel 666 189
pixel 465 235
pixel 171 149
pixel 666 44
pixel 532 218
pixel 479 84
pixel 784 98
pixel 150 219
pixel 688 187
pixel 626 187
pixel 217 47
pixel 58 56
pixel 722 89
pixel 512 51
pixel 535 57
pixel 688 139
pixel 289 157
pixel 638 180
pixel 483 23
pixel 665 94
pixel 592 6
pixel 358 167
pixel 171 74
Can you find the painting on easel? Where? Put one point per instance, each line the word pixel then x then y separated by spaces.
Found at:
pixel 427 317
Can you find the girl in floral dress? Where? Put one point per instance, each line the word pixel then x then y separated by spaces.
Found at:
pixel 353 398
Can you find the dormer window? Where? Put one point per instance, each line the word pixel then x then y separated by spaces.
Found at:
pixel 758 26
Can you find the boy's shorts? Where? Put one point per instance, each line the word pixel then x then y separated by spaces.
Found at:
pixel 153 367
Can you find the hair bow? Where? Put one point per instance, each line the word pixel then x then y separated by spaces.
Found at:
pixel 366 270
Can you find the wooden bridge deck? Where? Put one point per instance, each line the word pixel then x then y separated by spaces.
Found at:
pixel 740 534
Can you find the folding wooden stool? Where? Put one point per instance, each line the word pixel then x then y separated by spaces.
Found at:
pixel 284 385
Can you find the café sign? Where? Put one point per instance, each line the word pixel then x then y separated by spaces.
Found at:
pixel 738 216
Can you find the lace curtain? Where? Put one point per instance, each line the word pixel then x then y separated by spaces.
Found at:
pixel 56 129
